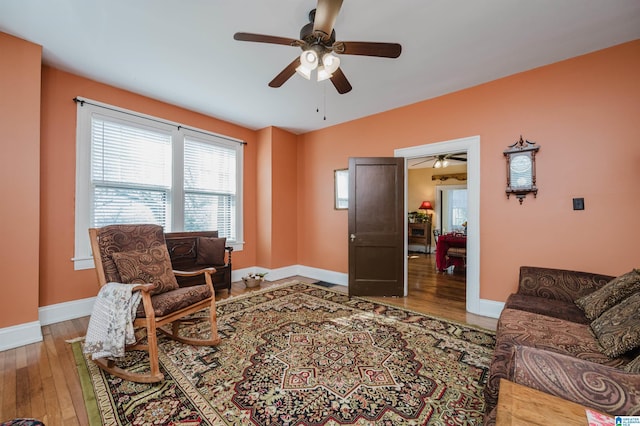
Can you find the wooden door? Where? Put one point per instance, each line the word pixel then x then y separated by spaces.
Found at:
pixel 376 226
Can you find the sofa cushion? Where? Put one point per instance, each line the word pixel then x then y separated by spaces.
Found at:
pixel 550 307
pixel 559 284
pixel 616 290
pixel 561 336
pixel 151 265
pixel 171 301
pixel 618 329
pixel 211 251
pixel 603 388
pixel 517 327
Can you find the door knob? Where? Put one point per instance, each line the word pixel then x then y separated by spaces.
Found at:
pixel 352 237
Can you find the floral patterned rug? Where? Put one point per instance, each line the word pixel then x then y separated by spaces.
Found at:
pixel 299 354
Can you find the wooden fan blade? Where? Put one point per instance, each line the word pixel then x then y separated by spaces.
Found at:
pixel 368 48
pixel 421 162
pixel 261 38
pixel 340 82
pixel 326 14
pixel 285 74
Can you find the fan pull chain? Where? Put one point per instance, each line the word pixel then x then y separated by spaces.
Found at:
pixel 324 88
pixel 324 106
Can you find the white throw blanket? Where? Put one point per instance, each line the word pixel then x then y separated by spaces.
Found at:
pixel 111 323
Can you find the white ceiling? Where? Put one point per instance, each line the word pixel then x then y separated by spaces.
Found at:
pixel 182 51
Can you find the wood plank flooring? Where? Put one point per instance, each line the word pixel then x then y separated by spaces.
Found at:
pixel 40 380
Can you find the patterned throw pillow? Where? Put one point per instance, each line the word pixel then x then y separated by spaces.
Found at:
pixel 151 265
pixel 618 329
pixel 211 251
pixel 616 290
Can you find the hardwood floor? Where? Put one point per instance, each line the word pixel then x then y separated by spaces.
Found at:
pixel 40 380
pixel 438 293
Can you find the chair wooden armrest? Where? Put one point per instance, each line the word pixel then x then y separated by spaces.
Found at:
pixel 145 288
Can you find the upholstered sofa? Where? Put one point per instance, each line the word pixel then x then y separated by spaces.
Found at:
pixel 191 251
pixel 571 334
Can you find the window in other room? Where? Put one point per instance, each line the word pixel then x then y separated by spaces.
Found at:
pixel 453 205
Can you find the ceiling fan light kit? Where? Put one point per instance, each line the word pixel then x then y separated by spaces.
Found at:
pixel 323 74
pixel 304 72
pixel 319 46
pixel 440 163
pixel 309 62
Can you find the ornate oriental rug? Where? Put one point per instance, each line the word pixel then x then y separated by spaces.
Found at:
pixel 300 354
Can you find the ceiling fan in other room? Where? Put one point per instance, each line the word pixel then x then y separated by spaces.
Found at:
pixel 319 48
pixel 442 161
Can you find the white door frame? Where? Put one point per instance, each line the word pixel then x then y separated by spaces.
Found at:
pixel 472 146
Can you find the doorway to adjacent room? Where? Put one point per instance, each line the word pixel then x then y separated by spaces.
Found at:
pixel 470 146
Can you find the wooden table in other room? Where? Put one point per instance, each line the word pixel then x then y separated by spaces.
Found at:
pixel 520 405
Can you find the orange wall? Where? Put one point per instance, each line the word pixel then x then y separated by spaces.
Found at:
pixel 284 199
pixel 276 201
pixel 583 112
pixel 263 205
pixel 20 177
pixel 58 281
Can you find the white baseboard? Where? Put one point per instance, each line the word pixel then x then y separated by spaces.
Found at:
pixel 281 273
pixel 490 308
pixel 237 274
pixel 293 270
pixel 59 312
pixel 20 335
pixel 324 275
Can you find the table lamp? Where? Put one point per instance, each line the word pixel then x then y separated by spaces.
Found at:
pixel 426 205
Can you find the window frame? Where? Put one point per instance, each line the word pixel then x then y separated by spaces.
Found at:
pixel 443 220
pixel 84 112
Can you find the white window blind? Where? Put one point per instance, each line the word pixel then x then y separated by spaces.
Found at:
pixel 130 173
pixel 210 187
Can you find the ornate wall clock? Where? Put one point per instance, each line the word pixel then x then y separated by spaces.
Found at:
pixel 521 169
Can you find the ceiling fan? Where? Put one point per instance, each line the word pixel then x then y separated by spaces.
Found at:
pixel 319 48
pixel 442 161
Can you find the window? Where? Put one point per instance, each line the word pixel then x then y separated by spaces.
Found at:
pixel 452 200
pixel 209 187
pixel 132 168
pixel 457 208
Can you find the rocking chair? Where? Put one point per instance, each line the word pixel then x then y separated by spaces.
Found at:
pixel 137 254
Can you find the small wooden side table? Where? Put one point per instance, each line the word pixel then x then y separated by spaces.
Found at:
pixel 420 233
pixel 520 405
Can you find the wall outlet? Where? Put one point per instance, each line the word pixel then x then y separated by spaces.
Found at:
pixel 578 203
